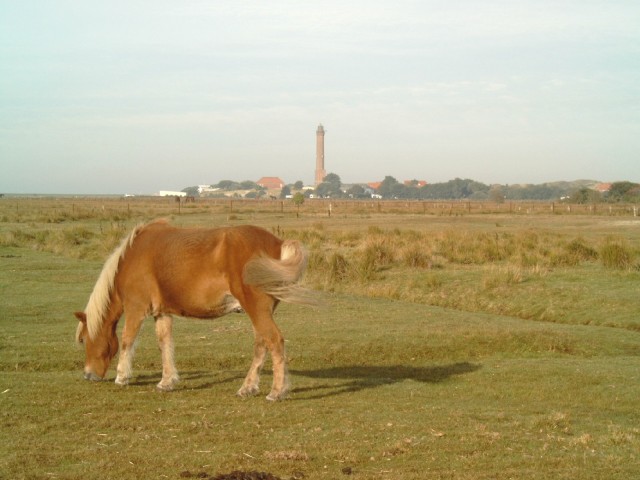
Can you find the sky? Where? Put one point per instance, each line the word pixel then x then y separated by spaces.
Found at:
pixel 140 96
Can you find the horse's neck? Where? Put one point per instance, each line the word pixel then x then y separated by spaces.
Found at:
pixel 113 312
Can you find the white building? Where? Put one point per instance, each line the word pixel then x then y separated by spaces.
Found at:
pixel 167 193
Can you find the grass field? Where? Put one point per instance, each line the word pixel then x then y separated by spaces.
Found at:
pixel 474 346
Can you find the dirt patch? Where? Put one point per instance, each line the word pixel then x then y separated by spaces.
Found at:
pixel 235 475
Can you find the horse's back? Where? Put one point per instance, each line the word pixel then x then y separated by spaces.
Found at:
pixel 160 241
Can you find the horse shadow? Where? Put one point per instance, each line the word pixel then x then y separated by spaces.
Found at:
pixel 343 379
pixel 187 378
pixel 362 377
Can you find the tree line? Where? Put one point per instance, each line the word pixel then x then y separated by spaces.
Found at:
pixel 466 189
pixel 580 192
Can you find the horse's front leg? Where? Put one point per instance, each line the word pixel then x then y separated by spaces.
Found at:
pixel 164 334
pixel 133 322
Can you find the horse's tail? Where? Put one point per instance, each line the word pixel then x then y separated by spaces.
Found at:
pixel 281 277
pixel 100 297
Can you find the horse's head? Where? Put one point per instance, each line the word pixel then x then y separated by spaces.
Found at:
pixel 99 350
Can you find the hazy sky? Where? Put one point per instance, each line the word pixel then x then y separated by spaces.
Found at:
pixel 140 96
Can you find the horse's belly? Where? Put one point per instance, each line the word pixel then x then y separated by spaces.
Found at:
pixel 206 310
pixel 229 304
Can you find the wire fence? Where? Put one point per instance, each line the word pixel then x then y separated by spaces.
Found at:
pixel 60 207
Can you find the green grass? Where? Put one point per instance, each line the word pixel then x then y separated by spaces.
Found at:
pixel 442 368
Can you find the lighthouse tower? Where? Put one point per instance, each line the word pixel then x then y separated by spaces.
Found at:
pixel 320 171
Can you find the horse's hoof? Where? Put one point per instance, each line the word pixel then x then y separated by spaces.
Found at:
pixel 92 377
pixel 275 397
pixel 164 387
pixel 248 391
pixel 122 381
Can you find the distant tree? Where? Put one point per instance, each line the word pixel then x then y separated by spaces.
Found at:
pixel 298 185
pixel 543 191
pixel 356 191
pixel 455 189
pixel 496 194
pixel 388 187
pixel 298 199
pixel 286 190
pixel 249 185
pixel 191 191
pixel 331 186
pixel 228 185
pixel 623 192
pixel 324 189
pixel 585 195
pixel 333 179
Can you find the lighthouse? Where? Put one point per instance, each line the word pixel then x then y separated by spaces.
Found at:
pixel 320 171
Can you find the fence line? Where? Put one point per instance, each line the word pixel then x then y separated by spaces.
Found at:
pixel 159 206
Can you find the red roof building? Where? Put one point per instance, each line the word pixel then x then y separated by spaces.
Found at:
pixel 271 183
pixel 603 187
pixel 415 183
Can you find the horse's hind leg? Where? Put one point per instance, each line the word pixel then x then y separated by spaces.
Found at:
pixel 251 385
pixel 275 344
pixel 267 336
pixel 164 334
pixel 132 324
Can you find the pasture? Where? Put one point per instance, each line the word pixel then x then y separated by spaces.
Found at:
pixel 464 345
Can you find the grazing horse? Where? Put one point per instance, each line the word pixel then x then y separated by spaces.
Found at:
pixel 160 270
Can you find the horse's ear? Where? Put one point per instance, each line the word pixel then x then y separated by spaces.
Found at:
pixel 81 316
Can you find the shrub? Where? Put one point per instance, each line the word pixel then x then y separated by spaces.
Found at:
pixel 578 249
pixel 505 276
pixel 76 236
pixel 338 268
pixel 616 254
pixel 414 256
pixel 380 250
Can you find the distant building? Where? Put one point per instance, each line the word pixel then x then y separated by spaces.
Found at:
pixel 271 183
pixel 320 171
pixel 603 187
pixel 202 189
pixel 168 193
pixel 415 183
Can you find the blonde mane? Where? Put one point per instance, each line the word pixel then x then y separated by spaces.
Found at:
pixel 100 297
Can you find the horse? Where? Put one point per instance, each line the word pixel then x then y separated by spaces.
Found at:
pixel 160 270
